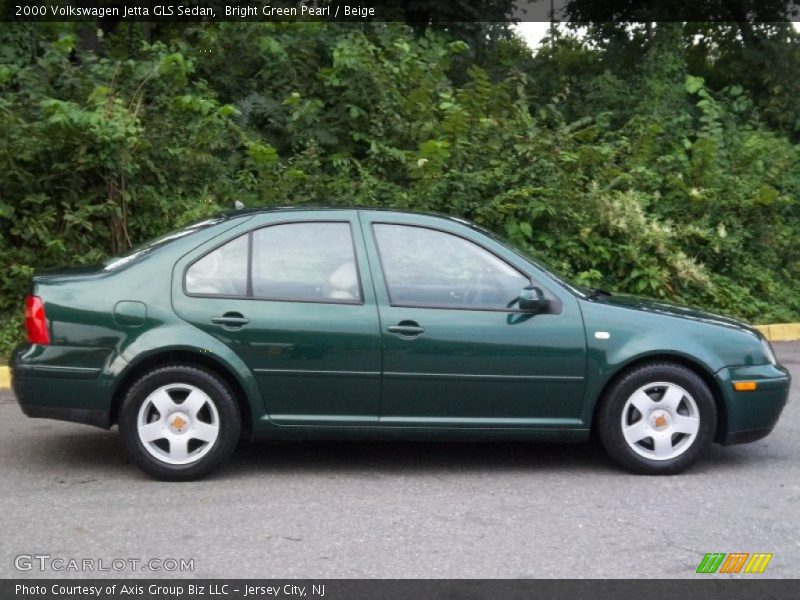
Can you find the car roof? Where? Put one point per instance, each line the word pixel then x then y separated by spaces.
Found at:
pixel 307 208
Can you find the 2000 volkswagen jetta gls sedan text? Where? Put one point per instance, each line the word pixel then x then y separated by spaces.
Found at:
pixel 339 323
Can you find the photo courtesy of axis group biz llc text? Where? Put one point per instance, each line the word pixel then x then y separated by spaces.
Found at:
pixel 399 299
pixel 176 589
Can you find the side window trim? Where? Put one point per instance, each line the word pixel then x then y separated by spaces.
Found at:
pixel 249 286
pixel 249 294
pixel 394 304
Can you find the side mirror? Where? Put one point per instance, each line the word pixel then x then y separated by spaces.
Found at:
pixel 531 299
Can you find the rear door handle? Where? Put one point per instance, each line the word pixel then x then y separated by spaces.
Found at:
pixel 231 319
pixel 406 329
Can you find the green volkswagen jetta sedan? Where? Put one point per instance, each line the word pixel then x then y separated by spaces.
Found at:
pixel 330 323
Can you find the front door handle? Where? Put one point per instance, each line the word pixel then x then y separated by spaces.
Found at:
pixel 406 329
pixel 231 320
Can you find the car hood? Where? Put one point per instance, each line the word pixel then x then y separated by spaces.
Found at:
pixel 673 310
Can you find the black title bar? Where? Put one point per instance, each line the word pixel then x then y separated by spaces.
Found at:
pixel 708 588
pixel 410 11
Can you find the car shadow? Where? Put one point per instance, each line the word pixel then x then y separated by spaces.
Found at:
pixel 85 449
pixel 96 453
pixel 88 451
pixel 380 458
pixel 394 457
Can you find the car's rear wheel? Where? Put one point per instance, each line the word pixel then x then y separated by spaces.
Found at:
pixel 657 419
pixel 179 422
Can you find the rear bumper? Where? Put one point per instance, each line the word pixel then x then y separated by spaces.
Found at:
pixel 98 418
pixel 62 392
pixel 752 415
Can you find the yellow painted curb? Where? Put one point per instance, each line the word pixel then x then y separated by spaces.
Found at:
pixel 5 378
pixel 780 332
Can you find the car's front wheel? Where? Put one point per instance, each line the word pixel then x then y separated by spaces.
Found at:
pixel 657 419
pixel 179 422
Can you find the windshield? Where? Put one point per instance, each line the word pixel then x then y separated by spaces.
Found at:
pixel 117 262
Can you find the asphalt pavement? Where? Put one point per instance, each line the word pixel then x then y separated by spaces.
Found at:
pixel 389 509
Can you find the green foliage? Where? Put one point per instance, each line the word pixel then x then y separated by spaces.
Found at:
pixel 629 170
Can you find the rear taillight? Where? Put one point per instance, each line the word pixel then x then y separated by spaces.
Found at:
pixel 35 321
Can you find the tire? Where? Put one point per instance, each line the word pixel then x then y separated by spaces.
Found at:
pixel 179 422
pixel 657 419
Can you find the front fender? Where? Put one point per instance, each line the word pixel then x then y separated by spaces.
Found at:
pixel 617 337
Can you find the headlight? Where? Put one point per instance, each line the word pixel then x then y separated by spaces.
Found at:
pixel 769 351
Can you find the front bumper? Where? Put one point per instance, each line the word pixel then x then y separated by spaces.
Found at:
pixel 752 415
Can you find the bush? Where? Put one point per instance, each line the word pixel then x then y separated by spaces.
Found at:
pixel 647 182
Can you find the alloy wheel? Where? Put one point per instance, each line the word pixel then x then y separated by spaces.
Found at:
pixel 660 421
pixel 178 424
